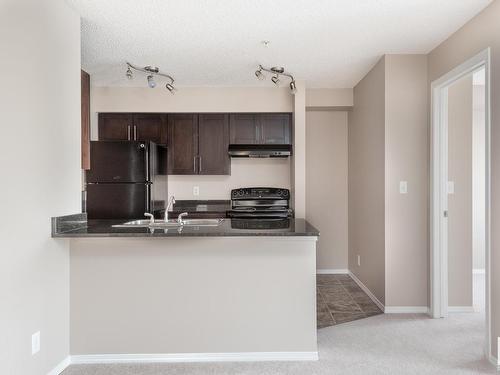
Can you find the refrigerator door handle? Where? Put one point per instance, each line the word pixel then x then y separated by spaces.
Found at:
pixel 148 200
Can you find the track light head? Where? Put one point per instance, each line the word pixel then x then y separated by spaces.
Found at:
pixel 275 80
pixel 170 88
pixel 129 73
pixel 151 82
pixel 260 75
pixel 293 87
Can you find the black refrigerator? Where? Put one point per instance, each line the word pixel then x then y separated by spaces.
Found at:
pixel 125 180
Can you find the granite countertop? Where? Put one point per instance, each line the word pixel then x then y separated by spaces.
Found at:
pixel 75 226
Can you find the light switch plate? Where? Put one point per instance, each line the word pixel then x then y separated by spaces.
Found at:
pixel 35 343
pixel 403 187
pixel 451 187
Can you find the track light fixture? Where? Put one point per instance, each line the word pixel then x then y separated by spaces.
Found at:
pixel 277 71
pixel 151 72
pixel 129 73
pixel 260 75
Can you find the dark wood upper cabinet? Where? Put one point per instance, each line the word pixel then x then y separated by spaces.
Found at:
pixel 275 128
pixel 150 127
pixel 115 126
pixel 182 143
pixel 244 128
pixel 260 128
pixel 85 113
pixel 213 142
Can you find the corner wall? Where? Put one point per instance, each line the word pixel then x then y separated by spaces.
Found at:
pixel 406 159
pixel 366 189
pixel 40 164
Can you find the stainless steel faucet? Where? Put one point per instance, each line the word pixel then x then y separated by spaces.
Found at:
pixel 151 218
pixel 171 203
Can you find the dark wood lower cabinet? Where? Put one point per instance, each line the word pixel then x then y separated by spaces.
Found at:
pixel 182 143
pixel 213 143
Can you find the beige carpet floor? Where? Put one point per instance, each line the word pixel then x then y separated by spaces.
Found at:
pixel 382 344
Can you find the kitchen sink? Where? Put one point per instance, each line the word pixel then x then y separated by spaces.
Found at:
pixel 169 224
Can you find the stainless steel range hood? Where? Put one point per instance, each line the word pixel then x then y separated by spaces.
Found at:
pixel 260 151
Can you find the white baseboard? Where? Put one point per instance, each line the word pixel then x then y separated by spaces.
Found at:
pixel 194 357
pixel 461 309
pixel 367 291
pixel 332 271
pixel 61 366
pixel 406 310
pixel 478 271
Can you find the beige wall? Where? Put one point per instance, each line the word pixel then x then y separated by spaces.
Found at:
pixel 40 162
pixel 248 172
pixel 326 185
pixel 193 295
pixel 460 202
pixel 481 32
pixel 366 181
pixel 329 98
pixel 245 172
pixel 406 159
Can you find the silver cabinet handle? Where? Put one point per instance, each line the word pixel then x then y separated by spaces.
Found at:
pixel 128 132
pixel 199 163
pixel 135 132
pixel 194 164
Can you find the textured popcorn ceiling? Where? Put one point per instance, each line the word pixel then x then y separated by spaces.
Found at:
pixel 327 43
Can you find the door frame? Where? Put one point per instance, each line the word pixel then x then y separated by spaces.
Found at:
pixel 439 187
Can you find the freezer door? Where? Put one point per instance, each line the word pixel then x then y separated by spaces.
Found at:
pixel 118 201
pixel 118 161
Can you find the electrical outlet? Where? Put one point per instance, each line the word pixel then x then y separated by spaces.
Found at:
pixel 196 190
pixel 359 260
pixel 35 343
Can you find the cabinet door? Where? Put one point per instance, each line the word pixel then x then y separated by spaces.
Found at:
pixel 275 128
pixel 182 143
pixel 150 127
pixel 244 128
pixel 115 126
pixel 213 142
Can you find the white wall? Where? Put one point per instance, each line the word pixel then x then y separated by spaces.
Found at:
pixel 40 164
pixel 326 185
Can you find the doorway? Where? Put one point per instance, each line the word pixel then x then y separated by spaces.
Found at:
pixel 448 242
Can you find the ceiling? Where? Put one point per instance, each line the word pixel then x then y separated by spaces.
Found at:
pixel 327 43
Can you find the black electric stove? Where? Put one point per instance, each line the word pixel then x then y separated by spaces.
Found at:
pixel 260 203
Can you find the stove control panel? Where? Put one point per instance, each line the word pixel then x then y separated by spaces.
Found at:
pixel 260 193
